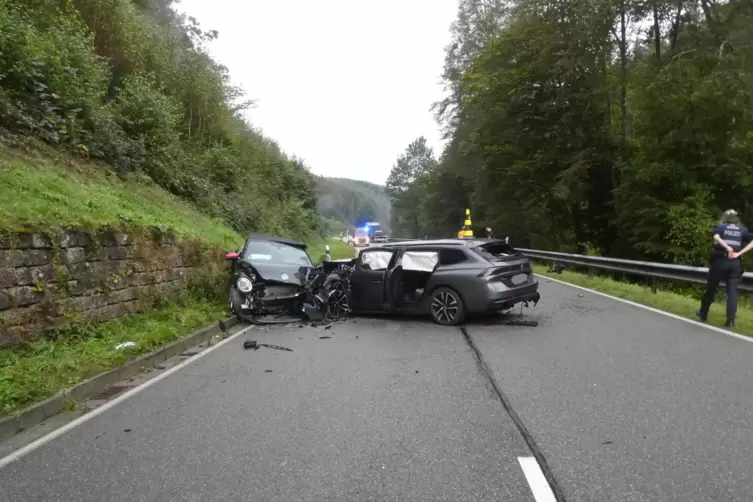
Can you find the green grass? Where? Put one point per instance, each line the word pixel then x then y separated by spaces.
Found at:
pixel 38 193
pixel 337 249
pixel 39 370
pixel 676 303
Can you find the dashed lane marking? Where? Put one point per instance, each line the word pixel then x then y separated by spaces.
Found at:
pixel 536 480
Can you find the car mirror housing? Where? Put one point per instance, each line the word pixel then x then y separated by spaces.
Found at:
pixel 232 256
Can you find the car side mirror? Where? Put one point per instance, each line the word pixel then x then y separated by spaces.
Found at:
pixel 232 256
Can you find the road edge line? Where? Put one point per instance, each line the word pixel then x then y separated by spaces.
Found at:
pixel 16 455
pixel 650 309
pixel 536 479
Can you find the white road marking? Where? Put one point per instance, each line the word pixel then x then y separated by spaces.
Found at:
pixel 536 480
pixel 110 404
pixel 652 309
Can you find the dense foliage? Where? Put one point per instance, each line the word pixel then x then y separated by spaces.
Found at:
pixel 616 126
pixel 130 82
pixel 353 202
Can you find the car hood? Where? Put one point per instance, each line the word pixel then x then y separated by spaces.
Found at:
pixel 282 273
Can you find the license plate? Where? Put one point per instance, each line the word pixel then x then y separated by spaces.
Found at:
pixel 519 279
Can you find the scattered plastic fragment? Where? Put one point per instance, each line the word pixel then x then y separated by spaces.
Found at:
pixel 125 345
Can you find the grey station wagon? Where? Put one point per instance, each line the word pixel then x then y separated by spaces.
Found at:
pixel 447 279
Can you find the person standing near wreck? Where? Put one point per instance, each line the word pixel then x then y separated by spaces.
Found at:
pixel 725 264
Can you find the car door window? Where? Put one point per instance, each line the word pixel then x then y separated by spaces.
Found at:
pixel 420 261
pixel 375 261
pixel 451 256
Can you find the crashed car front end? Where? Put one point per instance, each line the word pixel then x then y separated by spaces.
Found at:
pixel 275 294
pixel 255 295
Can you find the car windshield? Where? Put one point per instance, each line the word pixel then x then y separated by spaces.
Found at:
pixel 361 233
pixel 275 252
pixel 495 250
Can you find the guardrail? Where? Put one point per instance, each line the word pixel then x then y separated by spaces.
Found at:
pixel 652 270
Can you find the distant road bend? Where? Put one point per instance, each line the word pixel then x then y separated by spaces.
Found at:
pixel 609 401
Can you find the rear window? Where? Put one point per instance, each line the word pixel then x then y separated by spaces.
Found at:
pixel 496 251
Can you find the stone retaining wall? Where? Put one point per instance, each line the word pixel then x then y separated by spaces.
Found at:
pixel 84 276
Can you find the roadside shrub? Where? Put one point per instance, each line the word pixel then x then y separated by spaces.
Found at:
pixel 138 130
pixel 51 78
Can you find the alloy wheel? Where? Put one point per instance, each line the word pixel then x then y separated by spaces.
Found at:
pixel 445 307
pixel 337 303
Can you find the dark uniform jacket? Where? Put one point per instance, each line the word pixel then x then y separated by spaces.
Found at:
pixel 735 236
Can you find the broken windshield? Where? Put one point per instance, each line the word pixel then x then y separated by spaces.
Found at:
pixel 275 252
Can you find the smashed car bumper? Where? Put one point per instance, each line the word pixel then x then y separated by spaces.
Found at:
pixel 508 299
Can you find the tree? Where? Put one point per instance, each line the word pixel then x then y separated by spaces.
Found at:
pixel 622 125
pixel 405 186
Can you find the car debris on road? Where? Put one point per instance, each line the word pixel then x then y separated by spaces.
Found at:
pixel 254 345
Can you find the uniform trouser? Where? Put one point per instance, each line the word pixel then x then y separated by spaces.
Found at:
pixel 730 271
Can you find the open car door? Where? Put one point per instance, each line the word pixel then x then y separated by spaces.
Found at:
pixel 408 277
pixel 368 279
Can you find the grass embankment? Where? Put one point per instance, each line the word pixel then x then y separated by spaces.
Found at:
pixel 682 304
pixel 39 193
pixel 39 370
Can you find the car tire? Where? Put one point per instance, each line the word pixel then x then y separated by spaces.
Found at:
pixel 446 307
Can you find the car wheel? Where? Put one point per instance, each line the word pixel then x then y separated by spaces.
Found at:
pixel 337 302
pixel 446 307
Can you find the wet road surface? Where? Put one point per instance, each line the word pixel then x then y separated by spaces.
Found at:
pixel 616 403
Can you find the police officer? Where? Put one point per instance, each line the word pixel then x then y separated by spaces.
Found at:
pixel 729 237
pixel 490 234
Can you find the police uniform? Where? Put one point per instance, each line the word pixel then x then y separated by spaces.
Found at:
pixel 723 268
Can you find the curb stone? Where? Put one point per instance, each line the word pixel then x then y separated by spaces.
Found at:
pixel 37 413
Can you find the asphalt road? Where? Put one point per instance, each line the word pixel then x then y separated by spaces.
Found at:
pixel 621 404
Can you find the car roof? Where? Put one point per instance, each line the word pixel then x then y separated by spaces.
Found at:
pixel 275 238
pixel 466 242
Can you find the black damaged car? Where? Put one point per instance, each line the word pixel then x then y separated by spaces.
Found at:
pixel 273 278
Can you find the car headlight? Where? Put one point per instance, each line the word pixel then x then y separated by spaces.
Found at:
pixel 244 285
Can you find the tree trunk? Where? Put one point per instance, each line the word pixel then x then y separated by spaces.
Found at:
pixel 657 33
pixel 676 26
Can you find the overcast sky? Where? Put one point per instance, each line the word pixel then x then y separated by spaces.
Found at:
pixel 344 84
